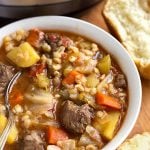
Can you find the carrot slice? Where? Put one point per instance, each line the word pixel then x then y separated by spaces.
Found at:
pixel 55 134
pixel 37 69
pixel 16 97
pixel 109 101
pixel 70 78
pixel 34 37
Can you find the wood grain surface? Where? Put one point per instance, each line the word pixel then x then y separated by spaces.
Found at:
pixel 94 15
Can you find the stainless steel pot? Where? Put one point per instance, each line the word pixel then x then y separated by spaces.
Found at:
pixel 26 8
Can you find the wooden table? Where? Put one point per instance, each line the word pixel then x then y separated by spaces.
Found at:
pixel 94 15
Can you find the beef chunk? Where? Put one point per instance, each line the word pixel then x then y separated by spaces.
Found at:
pixel 120 81
pixel 56 40
pixel 75 118
pixel 34 140
pixel 6 73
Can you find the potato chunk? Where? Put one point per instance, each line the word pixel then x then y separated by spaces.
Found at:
pixel 24 55
pixel 3 121
pixel 13 132
pixel 104 64
pixel 107 125
pixel 12 137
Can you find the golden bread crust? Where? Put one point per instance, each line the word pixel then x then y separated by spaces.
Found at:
pixel 131 23
pixel 138 142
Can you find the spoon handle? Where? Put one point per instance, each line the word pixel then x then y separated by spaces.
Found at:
pixel 6 132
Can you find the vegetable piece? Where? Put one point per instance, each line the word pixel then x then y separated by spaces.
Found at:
pixel 70 78
pixel 108 125
pixel 105 64
pixel 53 147
pixel 24 55
pixel 87 67
pixel 35 36
pixel 85 97
pixel 13 132
pixel 37 69
pixel 48 110
pixel 42 81
pixel 94 134
pixel 104 82
pixel 92 80
pixel 69 144
pixel 16 97
pixel 55 134
pixel 12 135
pixel 109 101
pixel 85 140
pixel 38 96
pixel 3 121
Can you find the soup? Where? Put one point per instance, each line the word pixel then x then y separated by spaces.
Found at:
pixel 71 95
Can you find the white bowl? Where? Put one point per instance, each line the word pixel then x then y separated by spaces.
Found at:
pixel 110 44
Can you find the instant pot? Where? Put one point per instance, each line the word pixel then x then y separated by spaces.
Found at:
pixel 28 8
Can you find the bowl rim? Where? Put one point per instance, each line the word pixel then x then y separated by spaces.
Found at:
pixel 119 138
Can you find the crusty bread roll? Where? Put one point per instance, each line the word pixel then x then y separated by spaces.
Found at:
pixel 138 142
pixel 130 19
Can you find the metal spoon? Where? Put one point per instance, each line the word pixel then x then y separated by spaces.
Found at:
pixel 9 114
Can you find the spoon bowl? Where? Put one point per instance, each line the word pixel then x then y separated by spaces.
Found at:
pixel 9 114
